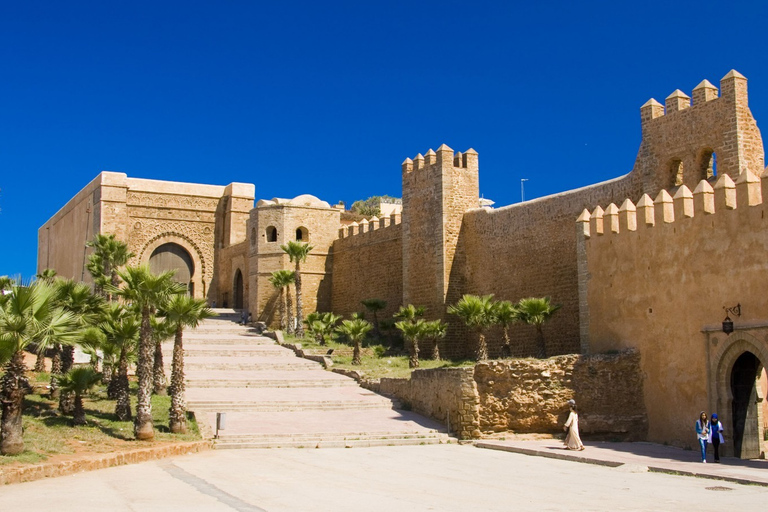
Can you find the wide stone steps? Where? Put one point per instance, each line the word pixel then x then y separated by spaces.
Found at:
pixel 349 440
pixel 278 406
pixel 273 399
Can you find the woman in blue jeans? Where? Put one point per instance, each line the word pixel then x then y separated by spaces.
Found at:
pixel 702 433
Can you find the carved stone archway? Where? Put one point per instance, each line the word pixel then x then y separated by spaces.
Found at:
pixel 721 369
pixel 198 279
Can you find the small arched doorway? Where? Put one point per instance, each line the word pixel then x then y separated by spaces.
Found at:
pixel 238 289
pixel 746 432
pixel 172 256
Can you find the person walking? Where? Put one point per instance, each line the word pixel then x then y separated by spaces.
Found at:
pixel 716 435
pixel 702 434
pixel 573 440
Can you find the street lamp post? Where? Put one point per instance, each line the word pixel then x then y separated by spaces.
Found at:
pixel 522 189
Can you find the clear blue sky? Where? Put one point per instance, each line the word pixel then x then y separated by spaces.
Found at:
pixel 328 98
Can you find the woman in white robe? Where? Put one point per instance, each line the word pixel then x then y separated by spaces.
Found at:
pixel 573 440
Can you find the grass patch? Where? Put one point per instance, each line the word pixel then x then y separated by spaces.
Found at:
pixel 47 433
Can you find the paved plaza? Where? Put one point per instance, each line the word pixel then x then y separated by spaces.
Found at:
pixel 398 478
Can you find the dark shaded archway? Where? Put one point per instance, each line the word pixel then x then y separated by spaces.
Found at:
pixel 238 290
pixel 746 442
pixel 174 257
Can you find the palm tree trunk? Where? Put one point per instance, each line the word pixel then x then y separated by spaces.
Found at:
pixel 67 399
pixel 55 370
pixel 356 353
pixel 177 413
pixel 542 347
pixel 107 375
pixel 413 359
pixel 115 279
pixel 299 311
pixel 159 382
pixel 481 354
pixel 289 307
pixel 376 330
pixel 283 320
pixel 121 388
pixel 79 412
pixel 143 428
pixel 436 350
pixel 506 350
pixel 40 362
pixel 14 387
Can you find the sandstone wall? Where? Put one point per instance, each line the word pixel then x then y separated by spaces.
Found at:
pixel 448 395
pixel 657 277
pixel 367 264
pixel 530 395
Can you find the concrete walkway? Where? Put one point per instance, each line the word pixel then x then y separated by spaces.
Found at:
pixel 273 399
pixel 642 457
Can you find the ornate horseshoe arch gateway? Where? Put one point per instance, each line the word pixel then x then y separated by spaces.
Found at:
pixel 737 382
pixel 172 251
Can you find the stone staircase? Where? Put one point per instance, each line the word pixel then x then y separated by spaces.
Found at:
pixel 273 399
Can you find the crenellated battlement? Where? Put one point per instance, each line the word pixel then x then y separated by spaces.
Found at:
pixel 443 157
pixel 671 209
pixel 366 226
pixel 733 87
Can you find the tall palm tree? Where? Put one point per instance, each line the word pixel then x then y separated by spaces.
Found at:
pixel 537 311
pixel 435 331
pixel 79 381
pixel 282 280
pixel 147 292
pixel 48 275
pixel 297 252
pixel 477 313
pixel 121 329
pixel 180 312
pixel 161 331
pixel 413 332
pixel 355 330
pixel 374 306
pixel 506 315
pixel 108 256
pixel 29 315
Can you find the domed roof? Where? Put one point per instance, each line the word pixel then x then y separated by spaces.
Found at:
pixel 308 200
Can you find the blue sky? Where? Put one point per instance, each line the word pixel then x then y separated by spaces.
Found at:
pixel 328 98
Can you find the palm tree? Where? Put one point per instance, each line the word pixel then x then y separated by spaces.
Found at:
pixel 322 325
pixel 374 306
pixel 108 256
pixel 413 332
pixel 282 280
pixel 435 331
pixel 48 275
pixel 180 312
pixel 297 252
pixel 355 330
pixel 147 292
pixel 536 311
pixel 477 313
pixel 86 307
pixel 410 312
pixel 78 381
pixel 161 331
pixel 28 315
pixel 121 330
pixel 506 314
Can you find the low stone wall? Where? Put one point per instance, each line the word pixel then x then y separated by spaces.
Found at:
pixel 18 474
pixel 530 395
pixel 448 395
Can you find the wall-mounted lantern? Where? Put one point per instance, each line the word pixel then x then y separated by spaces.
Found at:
pixel 728 323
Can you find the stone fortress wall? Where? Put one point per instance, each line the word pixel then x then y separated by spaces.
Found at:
pixel 658 274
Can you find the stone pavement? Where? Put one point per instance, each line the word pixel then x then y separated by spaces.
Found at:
pixel 641 457
pixel 274 399
pixel 445 478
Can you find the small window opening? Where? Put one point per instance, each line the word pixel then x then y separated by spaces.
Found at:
pixel 676 169
pixel 708 167
pixel 271 234
pixel 302 235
